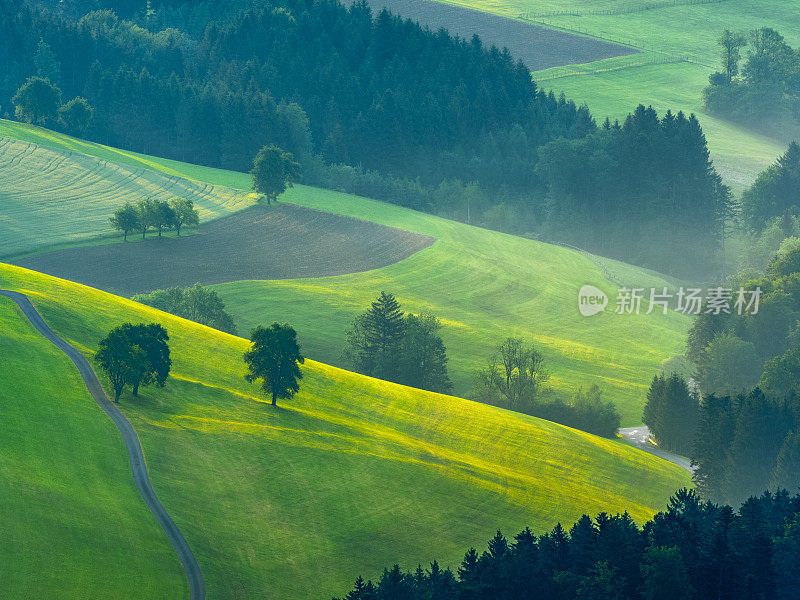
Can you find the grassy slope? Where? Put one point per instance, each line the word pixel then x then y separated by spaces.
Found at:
pixel 37 183
pixel 73 523
pixel 668 33
pixel 484 285
pixel 351 474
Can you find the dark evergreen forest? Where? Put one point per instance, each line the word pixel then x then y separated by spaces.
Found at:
pixel 692 550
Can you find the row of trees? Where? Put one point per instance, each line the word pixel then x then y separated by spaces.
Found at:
pixel 692 550
pixel 159 215
pixel 407 349
pixel 196 303
pixel 515 378
pixel 766 90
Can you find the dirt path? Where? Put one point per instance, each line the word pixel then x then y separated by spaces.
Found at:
pixel 638 436
pixel 197 588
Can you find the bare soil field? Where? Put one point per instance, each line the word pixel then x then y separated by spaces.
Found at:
pixel 538 47
pixel 279 242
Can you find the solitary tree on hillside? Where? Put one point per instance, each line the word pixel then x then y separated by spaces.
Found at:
pixel 515 376
pixel 37 101
pixel 274 358
pixel 119 359
pixel 135 355
pixel 384 329
pixel 274 170
pixel 126 219
pixel 186 214
pixel 152 340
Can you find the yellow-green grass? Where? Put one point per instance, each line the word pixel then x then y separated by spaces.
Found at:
pixel 351 474
pixel 51 196
pixel 73 523
pixel 483 285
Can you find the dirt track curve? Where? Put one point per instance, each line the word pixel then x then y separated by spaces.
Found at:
pixel 197 587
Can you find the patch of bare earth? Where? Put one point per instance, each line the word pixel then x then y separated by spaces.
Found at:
pixel 279 242
pixel 537 47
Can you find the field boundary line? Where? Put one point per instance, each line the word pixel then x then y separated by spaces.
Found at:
pixel 577 12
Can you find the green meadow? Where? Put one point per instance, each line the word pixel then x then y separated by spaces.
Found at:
pixel 350 475
pixel 483 285
pixel 74 525
pixel 38 182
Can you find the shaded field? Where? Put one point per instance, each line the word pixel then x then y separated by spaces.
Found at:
pixel 352 474
pixel 279 242
pixel 537 47
pixel 52 196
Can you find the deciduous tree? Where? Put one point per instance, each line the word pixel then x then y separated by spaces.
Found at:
pixel 126 219
pixel 274 357
pixel 274 170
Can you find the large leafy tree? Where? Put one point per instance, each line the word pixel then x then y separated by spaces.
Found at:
pixel 76 115
pixel 274 170
pixel 119 359
pixel 125 219
pixel 423 357
pixel 37 101
pixel 135 355
pixel 184 213
pixel 152 340
pixel 147 215
pixel 274 358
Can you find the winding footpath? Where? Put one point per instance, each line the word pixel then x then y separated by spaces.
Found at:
pixel 197 587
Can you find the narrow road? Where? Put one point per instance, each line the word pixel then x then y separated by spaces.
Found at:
pixel 197 587
pixel 638 436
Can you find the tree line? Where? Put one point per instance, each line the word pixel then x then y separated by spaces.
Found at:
pixel 159 215
pixel 692 550
pixel 373 104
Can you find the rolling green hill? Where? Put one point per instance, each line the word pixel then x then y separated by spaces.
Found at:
pixel 678 40
pixel 483 285
pixel 74 525
pixel 38 182
pixel 351 474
